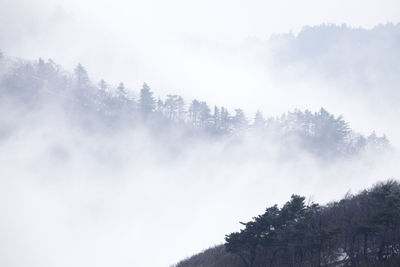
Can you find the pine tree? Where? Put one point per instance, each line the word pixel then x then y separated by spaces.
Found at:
pixel 239 120
pixel 174 107
pixel 81 76
pixel 194 111
pixel 146 101
pixel 259 121
pixel 103 85
pixel 160 106
pixel 121 91
pixel 216 118
pixel 225 120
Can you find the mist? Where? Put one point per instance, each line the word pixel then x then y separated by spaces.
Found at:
pixel 85 181
pixel 76 198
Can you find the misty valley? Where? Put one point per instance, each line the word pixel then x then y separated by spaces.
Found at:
pixel 98 173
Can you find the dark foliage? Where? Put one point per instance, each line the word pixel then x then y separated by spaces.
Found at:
pixel 212 257
pixel 359 230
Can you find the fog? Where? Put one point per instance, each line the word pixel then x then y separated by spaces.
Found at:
pixel 77 190
pixel 209 50
pixel 70 197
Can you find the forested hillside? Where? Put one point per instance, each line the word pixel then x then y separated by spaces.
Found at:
pixel 359 230
pixel 32 85
pixel 366 58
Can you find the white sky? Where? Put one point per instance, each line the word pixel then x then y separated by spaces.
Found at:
pixel 164 41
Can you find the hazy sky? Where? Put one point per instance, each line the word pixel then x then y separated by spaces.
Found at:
pixel 181 46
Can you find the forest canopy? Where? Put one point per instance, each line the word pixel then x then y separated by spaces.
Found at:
pixel 359 230
pixel 94 104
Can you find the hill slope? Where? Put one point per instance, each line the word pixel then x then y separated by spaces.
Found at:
pixel 359 230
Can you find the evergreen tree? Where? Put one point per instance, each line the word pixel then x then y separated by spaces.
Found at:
pixel 174 107
pixel 205 115
pixel 259 121
pixel 199 114
pixel 216 118
pixel 225 121
pixel 194 111
pixel 103 85
pixel 81 76
pixel 121 91
pixel 239 120
pixel 146 101
pixel 160 106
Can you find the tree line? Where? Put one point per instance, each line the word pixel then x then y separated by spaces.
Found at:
pixel 319 132
pixel 359 230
